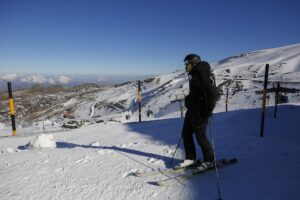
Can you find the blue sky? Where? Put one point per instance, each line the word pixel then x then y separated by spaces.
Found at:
pixel 137 36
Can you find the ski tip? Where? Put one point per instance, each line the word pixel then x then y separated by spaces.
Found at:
pixel 135 174
pixel 153 183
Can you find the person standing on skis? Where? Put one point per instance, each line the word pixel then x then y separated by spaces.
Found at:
pixel 200 103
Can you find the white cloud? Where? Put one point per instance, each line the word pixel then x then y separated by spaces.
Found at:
pixel 59 80
pixel 31 79
pixel 9 77
pixel 51 81
pixel 37 79
pixel 63 79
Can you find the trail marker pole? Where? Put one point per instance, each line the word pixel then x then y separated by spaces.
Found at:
pixel 262 123
pixel 276 99
pixel 226 100
pixel 139 100
pixel 12 109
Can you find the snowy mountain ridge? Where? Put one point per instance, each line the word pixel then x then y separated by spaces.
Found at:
pixel 241 75
pixel 283 61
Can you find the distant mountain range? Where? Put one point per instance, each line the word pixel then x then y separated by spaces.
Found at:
pixel 29 80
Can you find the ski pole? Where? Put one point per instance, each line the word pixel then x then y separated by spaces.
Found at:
pixel 215 161
pixel 176 149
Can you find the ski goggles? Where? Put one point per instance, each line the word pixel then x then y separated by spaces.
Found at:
pixel 187 62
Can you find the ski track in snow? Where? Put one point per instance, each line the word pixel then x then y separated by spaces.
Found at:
pixel 92 109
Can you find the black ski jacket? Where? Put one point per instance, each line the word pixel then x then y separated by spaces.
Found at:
pixel 197 101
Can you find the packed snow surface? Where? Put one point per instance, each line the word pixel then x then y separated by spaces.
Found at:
pixel 97 161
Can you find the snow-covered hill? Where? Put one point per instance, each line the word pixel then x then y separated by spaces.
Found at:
pixel 241 75
pixel 284 64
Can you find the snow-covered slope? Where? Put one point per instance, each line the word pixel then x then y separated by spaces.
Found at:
pixel 242 75
pixel 96 162
pixel 284 64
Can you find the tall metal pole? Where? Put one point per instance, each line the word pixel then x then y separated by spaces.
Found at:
pixel 139 100
pixel 276 99
pixel 12 109
pixel 262 124
pixel 226 101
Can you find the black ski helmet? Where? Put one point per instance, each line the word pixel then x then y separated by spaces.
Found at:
pixel 192 58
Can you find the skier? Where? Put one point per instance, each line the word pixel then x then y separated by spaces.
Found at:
pixel 200 103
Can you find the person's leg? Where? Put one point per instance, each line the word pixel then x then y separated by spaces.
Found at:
pixel 207 150
pixel 188 140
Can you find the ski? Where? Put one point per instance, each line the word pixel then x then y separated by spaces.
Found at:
pixel 190 174
pixel 160 171
pixel 178 170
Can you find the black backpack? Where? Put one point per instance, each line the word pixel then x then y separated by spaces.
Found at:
pixel 214 94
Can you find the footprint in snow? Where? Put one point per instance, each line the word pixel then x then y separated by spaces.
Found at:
pixel 105 152
pixel 135 144
pixel 168 151
pixel 130 173
pixel 58 169
pixel 122 146
pixel 84 160
pixel 95 144
pixel 156 161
